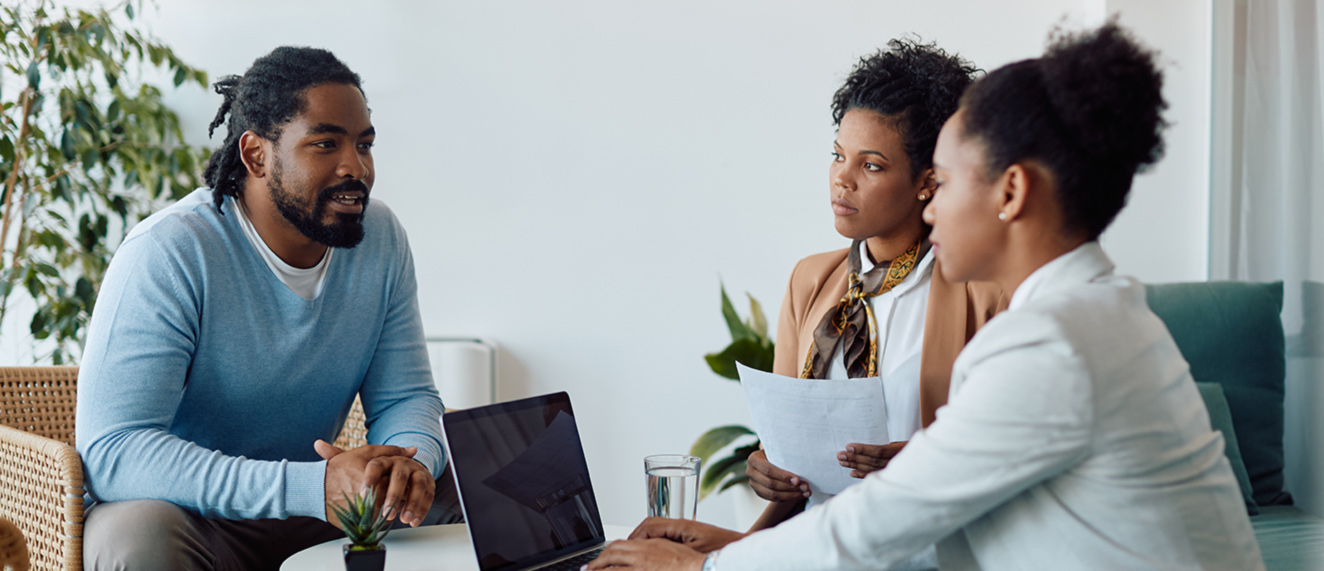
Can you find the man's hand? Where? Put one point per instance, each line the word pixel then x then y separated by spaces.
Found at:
pixel 865 458
pixel 406 481
pixel 648 555
pixel 773 483
pixel 700 537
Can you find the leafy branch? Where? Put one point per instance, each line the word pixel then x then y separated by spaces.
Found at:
pixel 750 345
pixel 87 148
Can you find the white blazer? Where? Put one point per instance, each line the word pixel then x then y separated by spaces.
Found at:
pixel 1074 438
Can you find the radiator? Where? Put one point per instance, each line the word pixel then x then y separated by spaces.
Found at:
pixel 464 369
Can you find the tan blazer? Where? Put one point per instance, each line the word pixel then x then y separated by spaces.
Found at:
pixel 955 312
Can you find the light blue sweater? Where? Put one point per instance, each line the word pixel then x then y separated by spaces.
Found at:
pixel 205 380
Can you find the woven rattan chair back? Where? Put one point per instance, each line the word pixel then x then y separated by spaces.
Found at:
pixel 40 400
pixel 355 433
pixel 41 477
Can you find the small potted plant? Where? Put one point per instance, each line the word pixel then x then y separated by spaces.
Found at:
pixel 750 346
pixel 365 527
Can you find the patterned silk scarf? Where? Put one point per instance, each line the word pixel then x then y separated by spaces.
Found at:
pixel 851 323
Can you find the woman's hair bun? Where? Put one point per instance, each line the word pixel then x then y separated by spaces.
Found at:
pixel 1091 110
pixel 1108 92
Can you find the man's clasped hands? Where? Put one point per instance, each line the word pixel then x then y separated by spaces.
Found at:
pixel 404 485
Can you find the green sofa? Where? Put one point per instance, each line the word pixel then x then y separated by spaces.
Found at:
pixel 1231 333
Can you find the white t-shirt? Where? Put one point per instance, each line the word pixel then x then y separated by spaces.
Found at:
pixel 306 282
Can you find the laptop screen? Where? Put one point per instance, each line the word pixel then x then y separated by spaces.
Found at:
pixel 523 481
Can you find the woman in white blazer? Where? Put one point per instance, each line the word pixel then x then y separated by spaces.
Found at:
pixel 1074 436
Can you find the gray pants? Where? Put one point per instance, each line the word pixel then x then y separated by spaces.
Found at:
pixel 154 534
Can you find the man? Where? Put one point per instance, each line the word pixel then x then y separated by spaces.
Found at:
pixel 233 331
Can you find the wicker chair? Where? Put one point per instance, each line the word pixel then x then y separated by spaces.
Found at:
pixel 41 476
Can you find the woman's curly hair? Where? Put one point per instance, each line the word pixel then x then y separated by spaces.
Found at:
pixel 1091 109
pixel 915 84
pixel 263 100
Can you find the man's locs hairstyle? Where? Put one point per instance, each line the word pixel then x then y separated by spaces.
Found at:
pixel 916 85
pixel 263 100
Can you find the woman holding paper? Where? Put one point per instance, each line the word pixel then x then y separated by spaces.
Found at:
pixel 879 303
pixel 1075 437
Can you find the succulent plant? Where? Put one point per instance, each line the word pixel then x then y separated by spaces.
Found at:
pixel 361 522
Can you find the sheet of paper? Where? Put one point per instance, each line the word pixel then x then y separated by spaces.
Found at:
pixel 804 423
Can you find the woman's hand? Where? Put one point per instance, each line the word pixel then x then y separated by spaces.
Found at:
pixel 865 458
pixel 773 483
pixel 700 537
pixel 648 555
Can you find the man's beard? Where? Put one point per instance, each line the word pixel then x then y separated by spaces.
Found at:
pixel 345 232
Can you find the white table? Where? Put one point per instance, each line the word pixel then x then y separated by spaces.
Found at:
pixel 439 547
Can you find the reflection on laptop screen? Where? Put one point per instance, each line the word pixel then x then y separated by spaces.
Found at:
pixel 523 481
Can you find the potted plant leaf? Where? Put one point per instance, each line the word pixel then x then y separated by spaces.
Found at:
pixel 750 346
pixel 365 527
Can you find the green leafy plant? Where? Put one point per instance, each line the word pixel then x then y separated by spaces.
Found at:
pixel 87 148
pixel 362 523
pixel 750 346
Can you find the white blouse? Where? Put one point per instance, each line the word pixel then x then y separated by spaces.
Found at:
pixel 900 314
pixel 1073 438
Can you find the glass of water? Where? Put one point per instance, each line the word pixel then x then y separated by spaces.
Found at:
pixel 673 485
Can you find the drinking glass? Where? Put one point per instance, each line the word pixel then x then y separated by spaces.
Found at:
pixel 673 485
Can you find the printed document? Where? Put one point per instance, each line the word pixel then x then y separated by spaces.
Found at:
pixel 804 423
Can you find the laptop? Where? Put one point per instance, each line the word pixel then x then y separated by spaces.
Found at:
pixel 523 484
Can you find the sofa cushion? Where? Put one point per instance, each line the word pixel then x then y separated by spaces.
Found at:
pixel 1220 416
pixel 1290 539
pixel 1231 333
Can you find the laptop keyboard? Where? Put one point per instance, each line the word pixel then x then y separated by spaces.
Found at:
pixel 574 563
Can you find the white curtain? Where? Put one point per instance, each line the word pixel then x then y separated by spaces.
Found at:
pixel 1277 205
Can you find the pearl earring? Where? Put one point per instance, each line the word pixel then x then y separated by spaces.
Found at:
pixel 1002 216
pixel 923 196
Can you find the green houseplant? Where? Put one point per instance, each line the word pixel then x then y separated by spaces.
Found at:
pixel 365 527
pixel 87 148
pixel 750 346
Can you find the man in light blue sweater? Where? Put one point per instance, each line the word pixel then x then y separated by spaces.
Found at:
pixel 233 331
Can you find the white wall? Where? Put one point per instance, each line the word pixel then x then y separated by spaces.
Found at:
pixel 1162 235
pixel 575 176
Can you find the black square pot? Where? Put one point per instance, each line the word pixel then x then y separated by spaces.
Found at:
pixel 365 559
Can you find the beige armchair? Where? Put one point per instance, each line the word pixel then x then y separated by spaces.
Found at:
pixel 41 476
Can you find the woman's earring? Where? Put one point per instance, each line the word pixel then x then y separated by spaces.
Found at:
pixel 1002 216
pixel 923 196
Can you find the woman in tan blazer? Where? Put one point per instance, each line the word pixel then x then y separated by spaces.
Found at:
pixel 903 321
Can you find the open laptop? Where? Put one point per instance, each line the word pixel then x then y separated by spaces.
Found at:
pixel 523 484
